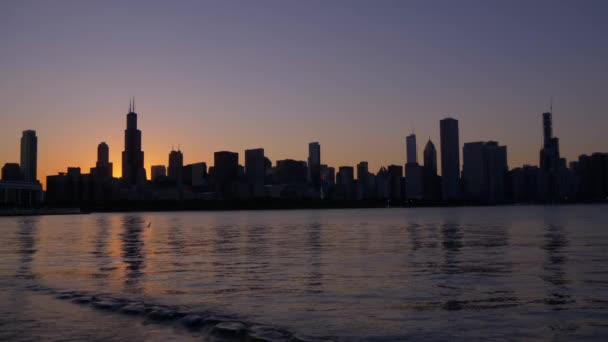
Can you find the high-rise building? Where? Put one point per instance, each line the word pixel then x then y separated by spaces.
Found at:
pixel 484 171
pixel 289 171
pixel 431 181
pixel 395 181
pixel 29 156
pixel 176 163
pixel 314 164
pixel 328 175
pixel 523 184
pixel 346 175
pixel 551 165
pixel 194 175
pixel 133 172
pixel 103 168
pixel 158 172
pixel 365 181
pixel 255 170
pixel 450 159
pixel 430 158
pixel 225 169
pixel 412 154
pixel 413 171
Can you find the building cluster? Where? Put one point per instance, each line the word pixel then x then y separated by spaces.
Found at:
pixel 483 178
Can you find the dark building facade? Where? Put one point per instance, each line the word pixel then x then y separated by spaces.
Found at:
pixel 430 179
pixel 11 172
pixel 103 168
pixel 413 171
pixel 450 159
pixel 484 172
pixel 523 184
pixel 133 172
pixel 289 171
pixel 314 165
pixel 552 166
pixel 395 178
pixel 176 163
pixel 255 170
pixel 591 172
pixel 29 156
pixel 225 171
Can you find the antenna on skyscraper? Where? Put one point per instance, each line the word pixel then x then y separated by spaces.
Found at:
pixel 130 105
pixel 551 105
pixel 133 104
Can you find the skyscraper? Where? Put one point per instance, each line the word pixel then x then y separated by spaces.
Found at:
pixel 29 156
pixel 450 159
pixel 413 171
pixel 431 181
pixel 314 164
pixel 225 169
pixel 255 170
pixel 550 162
pixel 484 171
pixel 103 167
pixel 158 172
pixel 430 158
pixel 133 172
pixel 176 163
pixel 412 154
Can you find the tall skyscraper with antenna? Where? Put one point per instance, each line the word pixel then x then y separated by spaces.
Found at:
pixel 551 164
pixel 133 172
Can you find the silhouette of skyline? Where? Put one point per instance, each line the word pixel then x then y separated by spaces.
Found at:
pixel 355 76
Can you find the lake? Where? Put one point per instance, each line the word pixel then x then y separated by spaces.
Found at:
pixel 501 273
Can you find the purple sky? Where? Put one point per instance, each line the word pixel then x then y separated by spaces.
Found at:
pixel 357 76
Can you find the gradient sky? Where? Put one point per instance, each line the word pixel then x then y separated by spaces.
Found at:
pixel 357 76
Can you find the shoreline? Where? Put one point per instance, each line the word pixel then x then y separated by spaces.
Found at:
pixel 252 205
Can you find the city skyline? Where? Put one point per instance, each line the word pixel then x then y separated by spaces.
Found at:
pixel 356 77
pixel 133 122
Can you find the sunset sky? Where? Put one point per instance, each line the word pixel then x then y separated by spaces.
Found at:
pixel 357 76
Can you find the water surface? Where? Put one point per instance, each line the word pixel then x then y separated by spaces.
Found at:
pixel 528 272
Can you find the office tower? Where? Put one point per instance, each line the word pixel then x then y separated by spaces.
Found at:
pixel 314 164
pixel 413 181
pixel 365 181
pixel 484 171
pixel 289 171
pixel 158 172
pixel 413 171
pixel 382 184
pixel 431 181
pixel 450 159
pixel 591 174
pixel 255 170
pixel 551 165
pixel 194 175
pixel 176 163
pixel 430 158
pixel 29 156
pixel 345 176
pixel 395 180
pixel 225 169
pixel 11 172
pixel 133 172
pixel 412 154
pixel 103 167
pixel 524 183
pixel 328 175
